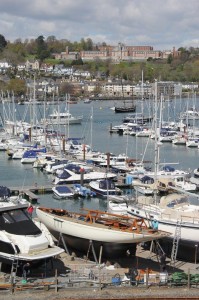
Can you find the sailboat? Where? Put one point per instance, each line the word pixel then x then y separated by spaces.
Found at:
pixel 125 108
pixel 173 213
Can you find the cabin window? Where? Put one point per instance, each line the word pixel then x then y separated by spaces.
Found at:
pixel 15 216
pixel 7 218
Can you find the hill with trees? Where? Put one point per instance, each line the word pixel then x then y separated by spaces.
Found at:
pixel 183 68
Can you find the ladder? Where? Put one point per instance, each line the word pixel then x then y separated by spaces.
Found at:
pixel 15 264
pixel 176 240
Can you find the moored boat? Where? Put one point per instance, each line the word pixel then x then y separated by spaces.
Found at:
pixel 68 176
pixel 62 192
pixel 62 118
pixel 104 187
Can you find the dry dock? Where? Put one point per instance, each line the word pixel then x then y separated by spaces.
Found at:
pixel 78 278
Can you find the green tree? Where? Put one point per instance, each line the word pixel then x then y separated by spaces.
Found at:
pixel 42 51
pixel 89 43
pixel 3 42
pixel 170 59
pixel 17 86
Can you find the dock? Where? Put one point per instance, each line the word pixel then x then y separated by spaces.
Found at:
pixel 32 191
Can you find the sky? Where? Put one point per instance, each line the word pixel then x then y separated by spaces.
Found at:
pixel 163 24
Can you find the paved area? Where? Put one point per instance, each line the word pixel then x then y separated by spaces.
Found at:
pixel 70 269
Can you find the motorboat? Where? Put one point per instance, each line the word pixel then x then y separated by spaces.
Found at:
pixel 167 171
pixel 83 191
pixel 145 132
pixel 196 172
pixel 115 234
pixel 30 156
pixel 191 113
pixel 192 142
pixel 62 192
pixel 104 187
pixel 113 161
pixel 182 183
pixel 179 140
pixel 68 176
pixel 137 118
pixel 62 118
pixel 144 185
pixel 53 165
pixel 22 238
pixel 87 100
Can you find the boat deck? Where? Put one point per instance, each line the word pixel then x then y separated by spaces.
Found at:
pixel 111 221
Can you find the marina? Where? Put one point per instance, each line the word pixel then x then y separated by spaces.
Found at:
pixel 36 184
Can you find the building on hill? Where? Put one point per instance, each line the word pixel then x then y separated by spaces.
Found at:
pixel 67 55
pixel 32 65
pixel 117 53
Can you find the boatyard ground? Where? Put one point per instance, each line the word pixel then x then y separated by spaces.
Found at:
pixel 78 278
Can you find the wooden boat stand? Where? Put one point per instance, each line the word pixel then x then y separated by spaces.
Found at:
pixel 61 239
pixel 157 249
pixel 93 251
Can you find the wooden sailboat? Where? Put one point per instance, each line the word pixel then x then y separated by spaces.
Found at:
pixel 126 107
pixel 116 234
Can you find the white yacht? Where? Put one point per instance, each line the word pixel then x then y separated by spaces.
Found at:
pixel 62 118
pixel 21 237
pixel 104 187
pixel 68 176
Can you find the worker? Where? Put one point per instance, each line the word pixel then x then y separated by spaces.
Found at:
pixel 26 270
pixel 163 262
pixel 155 224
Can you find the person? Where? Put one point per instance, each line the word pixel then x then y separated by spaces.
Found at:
pixel 133 273
pixel 26 270
pixel 163 262
pixel 155 224
pixel 30 210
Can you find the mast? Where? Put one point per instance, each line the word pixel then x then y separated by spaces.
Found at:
pixel 156 161
pixel 91 128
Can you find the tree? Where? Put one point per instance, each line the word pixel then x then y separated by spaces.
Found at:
pixel 169 59
pixel 66 88
pixel 3 42
pixel 89 43
pixel 42 51
pixel 17 86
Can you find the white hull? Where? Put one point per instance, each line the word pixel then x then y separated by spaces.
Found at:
pixel 144 190
pixel 22 238
pixel 189 231
pixel 92 231
pixel 64 121
pixel 76 178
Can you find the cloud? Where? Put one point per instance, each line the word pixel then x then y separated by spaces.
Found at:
pixel 159 23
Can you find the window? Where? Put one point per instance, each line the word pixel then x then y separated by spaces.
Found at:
pixel 15 216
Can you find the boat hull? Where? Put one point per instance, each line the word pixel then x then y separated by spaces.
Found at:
pixel 79 233
pixel 108 249
pixel 125 109
pixel 187 243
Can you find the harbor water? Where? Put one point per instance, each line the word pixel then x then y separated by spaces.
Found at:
pixel 94 130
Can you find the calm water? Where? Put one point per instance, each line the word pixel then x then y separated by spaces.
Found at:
pixel 97 117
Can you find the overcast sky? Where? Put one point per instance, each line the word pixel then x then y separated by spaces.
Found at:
pixel 158 23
